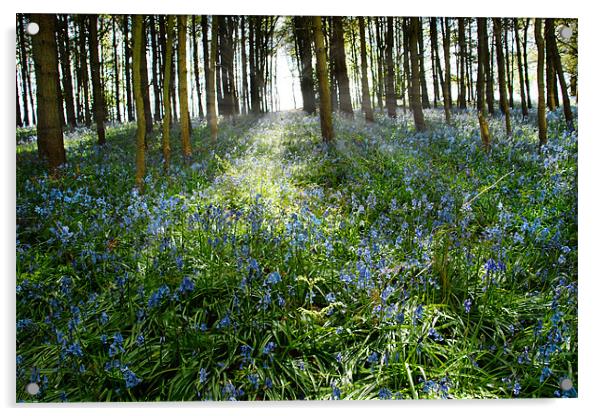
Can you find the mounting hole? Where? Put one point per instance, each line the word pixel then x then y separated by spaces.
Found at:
pixel 32 388
pixel 565 32
pixel 33 28
pixel 566 384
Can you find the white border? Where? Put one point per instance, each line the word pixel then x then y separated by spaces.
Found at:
pixel 590 291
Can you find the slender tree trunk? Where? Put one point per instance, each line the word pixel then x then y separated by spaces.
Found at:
pixel 128 71
pixel 566 102
pixel 148 117
pixel 462 59
pixel 183 88
pixel 24 67
pixel 488 68
pixel 116 71
pixel 501 70
pixel 434 58
pixel 446 32
pixel 322 71
pixel 138 81
pixel 83 61
pixel 19 120
pixel 243 59
pixel 97 90
pixel 211 110
pixel 550 72
pixel 526 64
pixel 195 60
pixel 423 86
pixel 165 142
pixel 303 36
pixel 65 58
pixel 366 105
pixel 482 60
pixel 541 92
pixel 340 66
pixel 521 78
pixel 509 64
pixel 208 81
pixel 414 32
pixel 156 70
pixel 49 132
pixel 390 71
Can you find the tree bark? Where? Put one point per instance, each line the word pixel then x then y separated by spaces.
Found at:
pixel 97 90
pixel 128 70
pixel 211 105
pixel 322 72
pixel 165 140
pixel 195 60
pixel 446 32
pixel 340 66
pixel 434 58
pixel 423 86
pixel 526 64
pixel 501 70
pixel 366 104
pixel 521 78
pixel 116 71
pixel 414 31
pixel 462 59
pixel 541 92
pixel 482 60
pixel 390 71
pixel 566 102
pixel 49 131
pixel 148 117
pixel 83 62
pixel 24 67
pixel 303 36
pixel 156 70
pixel 138 81
pixel 183 88
pixel 65 58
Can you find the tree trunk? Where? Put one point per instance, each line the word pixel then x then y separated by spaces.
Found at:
pixel 148 117
pixel 138 81
pixel 211 110
pixel 183 88
pixel 423 86
pixel 65 58
pixel 566 102
pixel 509 64
pixel 24 67
pixel 49 132
pixel 521 78
pixel 116 71
pixel 414 31
pixel 97 90
pixel 243 59
pixel 366 104
pixel 462 59
pixel 303 36
pixel 128 71
pixel 434 58
pixel 83 62
pixel 156 70
pixel 195 60
pixel 18 109
pixel 390 71
pixel 488 68
pixel 501 70
pixel 446 32
pixel 482 60
pixel 550 72
pixel 167 72
pixel 541 92
pixel 526 64
pixel 322 72
pixel 340 66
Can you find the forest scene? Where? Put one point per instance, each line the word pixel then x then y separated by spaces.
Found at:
pixel 260 208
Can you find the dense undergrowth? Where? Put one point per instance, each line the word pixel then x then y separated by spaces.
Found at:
pixel 392 265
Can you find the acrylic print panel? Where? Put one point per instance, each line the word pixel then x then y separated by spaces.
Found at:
pixel 285 208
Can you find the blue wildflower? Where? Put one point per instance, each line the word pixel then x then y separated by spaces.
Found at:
pixel 131 380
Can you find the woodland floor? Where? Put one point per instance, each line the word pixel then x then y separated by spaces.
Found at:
pixel 392 265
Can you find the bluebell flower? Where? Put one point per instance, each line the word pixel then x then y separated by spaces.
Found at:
pixel 131 380
pixel 435 335
pixel 467 305
pixel 273 278
pixel 336 392
pixel 140 340
pixel 269 347
pixel 373 358
pixel 268 383
pixel 157 296
pixel 75 350
pixel 384 394
pixel 104 318
pixel 187 285
pixel 330 297
pixel 117 346
pixel 254 380
pixel 203 375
